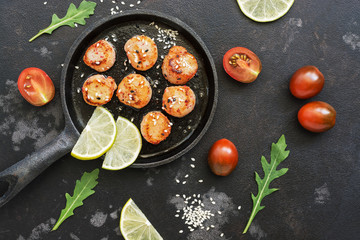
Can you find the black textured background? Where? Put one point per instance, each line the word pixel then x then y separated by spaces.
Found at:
pixel 318 197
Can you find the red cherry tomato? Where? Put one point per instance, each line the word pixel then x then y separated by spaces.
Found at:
pixel 36 86
pixel 317 116
pixel 223 157
pixel 242 64
pixel 306 82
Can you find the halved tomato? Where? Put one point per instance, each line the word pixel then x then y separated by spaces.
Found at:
pixel 36 86
pixel 242 64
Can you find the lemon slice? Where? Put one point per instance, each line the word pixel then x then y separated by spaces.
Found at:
pixel 97 137
pixel 135 225
pixel 126 147
pixel 265 10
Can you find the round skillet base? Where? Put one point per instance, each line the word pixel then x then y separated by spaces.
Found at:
pixel 166 31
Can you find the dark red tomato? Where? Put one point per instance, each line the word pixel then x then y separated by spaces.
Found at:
pixel 306 82
pixel 36 86
pixel 242 64
pixel 223 157
pixel 317 116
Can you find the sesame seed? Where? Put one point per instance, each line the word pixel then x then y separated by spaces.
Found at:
pixel 187 175
pixel 192 165
pixel 222 234
pixel 192 159
pixel 200 180
pixel 183 182
pixel 181 231
pixel 239 207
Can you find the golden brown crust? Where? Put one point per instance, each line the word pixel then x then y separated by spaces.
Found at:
pixel 155 127
pixel 178 101
pixel 100 56
pixel 142 52
pixel 135 91
pixel 179 66
pixel 98 90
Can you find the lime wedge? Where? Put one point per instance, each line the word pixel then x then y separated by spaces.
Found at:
pixel 265 10
pixel 126 147
pixel 97 137
pixel 134 225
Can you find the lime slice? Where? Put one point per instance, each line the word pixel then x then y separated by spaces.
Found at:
pixel 97 137
pixel 126 147
pixel 135 225
pixel 265 10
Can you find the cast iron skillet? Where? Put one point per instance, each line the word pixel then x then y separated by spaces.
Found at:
pixel 186 132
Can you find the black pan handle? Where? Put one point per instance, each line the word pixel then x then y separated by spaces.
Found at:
pixel 16 177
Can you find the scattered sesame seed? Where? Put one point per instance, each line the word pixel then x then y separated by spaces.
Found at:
pixel 186 176
pixel 181 231
pixel 239 207
pixel 192 165
pixel 77 67
pixel 222 234
pixel 192 159
pixel 200 180
pixel 45 3
pixel 131 5
pixel 177 180
pixel 82 75
pixel 184 182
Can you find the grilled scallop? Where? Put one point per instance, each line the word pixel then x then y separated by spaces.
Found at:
pixel 100 56
pixel 178 101
pixel 179 66
pixel 155 127
pixel 98 90
pixel 142 52
pixel 135 91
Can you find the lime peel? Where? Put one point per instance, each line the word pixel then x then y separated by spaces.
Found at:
pixel 135 225
pixel 93 143
pixel 126 147
pixel 265 10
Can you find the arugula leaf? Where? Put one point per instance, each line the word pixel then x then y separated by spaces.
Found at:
pixel 83 189
pixel 72 16
pixel 278 154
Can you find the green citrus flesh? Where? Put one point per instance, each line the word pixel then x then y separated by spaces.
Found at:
pixel 126 147
pixel 97 137
pixel 265 10
pixel 134 225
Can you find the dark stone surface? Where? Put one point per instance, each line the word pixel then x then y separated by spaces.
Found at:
pixel 318 197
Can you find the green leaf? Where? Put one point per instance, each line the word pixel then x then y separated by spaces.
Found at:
pixel 278 154
pixel 83 189
pixel 73 15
